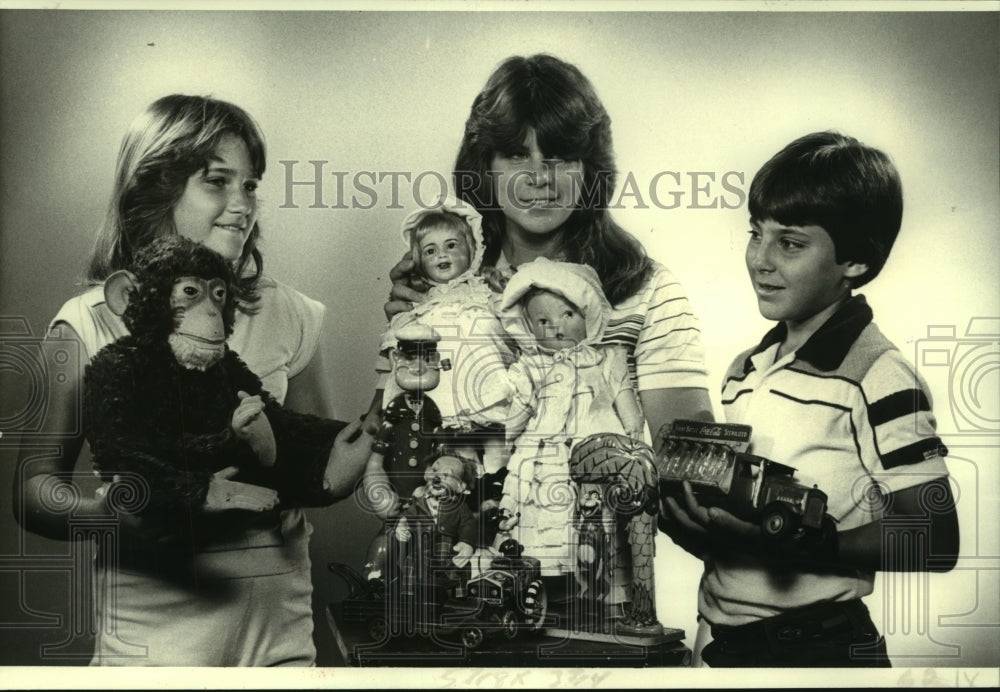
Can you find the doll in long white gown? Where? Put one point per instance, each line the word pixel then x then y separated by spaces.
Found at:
pixel 565 386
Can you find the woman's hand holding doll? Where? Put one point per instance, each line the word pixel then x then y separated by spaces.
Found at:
pixel 408 287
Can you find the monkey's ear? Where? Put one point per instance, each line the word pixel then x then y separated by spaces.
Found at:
pixel 117 289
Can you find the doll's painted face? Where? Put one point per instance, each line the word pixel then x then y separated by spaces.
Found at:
pixel 444 478
pixel 555 322
pixel 444 254
pixel 417 372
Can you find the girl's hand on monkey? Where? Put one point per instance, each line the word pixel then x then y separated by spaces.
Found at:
pixel 225 494
pixel 129 525
pixel 351 453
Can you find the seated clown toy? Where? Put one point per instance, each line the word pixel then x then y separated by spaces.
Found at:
pixel 438 530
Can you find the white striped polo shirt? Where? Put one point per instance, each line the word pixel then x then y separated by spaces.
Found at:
pixel 853 417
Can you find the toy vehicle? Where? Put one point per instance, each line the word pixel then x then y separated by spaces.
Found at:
pixel 504 600
pixel 750 487
pixel 511 595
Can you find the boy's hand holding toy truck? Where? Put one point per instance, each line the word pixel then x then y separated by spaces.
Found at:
pixel 769 510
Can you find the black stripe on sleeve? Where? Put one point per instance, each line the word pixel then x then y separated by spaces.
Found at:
pixel 915 453
pixel 903 403
pixel 736 396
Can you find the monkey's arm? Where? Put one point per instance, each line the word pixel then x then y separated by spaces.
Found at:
pixel 303 442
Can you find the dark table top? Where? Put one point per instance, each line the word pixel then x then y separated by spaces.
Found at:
pixel 424 646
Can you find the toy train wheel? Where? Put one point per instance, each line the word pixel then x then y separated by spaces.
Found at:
pixel 508 625
pixel 378 629
pixel 536 604
pixel 778 522
pixel 472 636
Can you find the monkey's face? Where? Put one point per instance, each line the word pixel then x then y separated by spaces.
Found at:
pixel 199 337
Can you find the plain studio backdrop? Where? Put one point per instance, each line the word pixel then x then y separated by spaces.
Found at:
pixel 373 100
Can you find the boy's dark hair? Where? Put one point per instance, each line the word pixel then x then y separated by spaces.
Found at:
pixel 834 181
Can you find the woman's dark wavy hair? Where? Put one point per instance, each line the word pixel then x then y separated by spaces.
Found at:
pixel 834 181
pixel 165 145
pixel 559 103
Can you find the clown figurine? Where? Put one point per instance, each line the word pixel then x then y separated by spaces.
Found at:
pixel 438 529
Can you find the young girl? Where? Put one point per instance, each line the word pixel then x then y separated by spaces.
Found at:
pixel 446 246
pixel 536 161
pixel 190 165
pixel 566 386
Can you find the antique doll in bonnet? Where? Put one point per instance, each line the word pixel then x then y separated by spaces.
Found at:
pixel 564 387
pixel 446 242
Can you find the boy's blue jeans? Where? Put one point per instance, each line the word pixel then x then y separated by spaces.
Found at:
pixel 829 635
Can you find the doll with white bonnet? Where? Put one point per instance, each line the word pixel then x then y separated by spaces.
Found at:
pixel 565 386
pixel 446 243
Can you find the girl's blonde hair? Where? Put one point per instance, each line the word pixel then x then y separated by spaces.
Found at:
pixel 165 145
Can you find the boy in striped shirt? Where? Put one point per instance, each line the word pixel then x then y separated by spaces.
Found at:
pixel 826 393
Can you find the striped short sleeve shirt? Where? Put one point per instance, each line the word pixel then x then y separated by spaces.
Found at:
pixel 661 333
pixel 854 418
